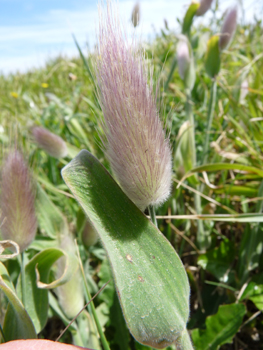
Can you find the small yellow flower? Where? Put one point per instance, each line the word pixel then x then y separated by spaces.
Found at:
pixel 44 85
pixel 14 94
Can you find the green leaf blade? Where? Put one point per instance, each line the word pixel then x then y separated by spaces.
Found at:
pixel 189 16
pixel 220 328
pixel 36 300
pixel 218 260
pixel 50 219
pixel 17 323
pixel 227 166
pixel 150 279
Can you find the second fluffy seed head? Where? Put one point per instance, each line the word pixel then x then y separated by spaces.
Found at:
pixel 49 142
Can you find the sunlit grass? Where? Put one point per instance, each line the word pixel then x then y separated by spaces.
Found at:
pixel 61 98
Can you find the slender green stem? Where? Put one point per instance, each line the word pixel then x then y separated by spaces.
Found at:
pixel 102 336
pixel 188 109
pixel 152 215
pixel 23 278
pixel 202 238
pixel 210 115
pixel 190 117
pixel 173 66
pixel 88 297
pixel 2 333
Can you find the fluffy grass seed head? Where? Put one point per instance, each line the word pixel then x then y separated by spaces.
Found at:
pixel 135 142
pixel 183 58
pixel 185 62
pixel 17 201
pixel 49 142
pixel 184 159
pixel 135 17
pixel 89 235
pixel 228 28
pixel 71 294
pixel 204 7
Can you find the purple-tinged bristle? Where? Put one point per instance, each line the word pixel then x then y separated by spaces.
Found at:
pixel 204 7
pixel 183 58
pixel 228 28
pixel 135 143
pixel 18 201
pixel 135 18
pixel 49 142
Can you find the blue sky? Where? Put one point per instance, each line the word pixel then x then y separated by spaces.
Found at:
pixel 34 30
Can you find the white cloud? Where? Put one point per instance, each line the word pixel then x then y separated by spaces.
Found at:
pixel 24 46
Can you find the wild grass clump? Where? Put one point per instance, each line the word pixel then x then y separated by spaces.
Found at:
pixel 210 88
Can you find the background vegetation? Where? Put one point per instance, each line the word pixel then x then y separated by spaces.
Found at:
pixel 226 278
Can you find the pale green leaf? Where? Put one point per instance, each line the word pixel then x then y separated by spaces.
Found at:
pixel 37 273
pixel 17 323
pixel 188 18
pixel 226 166
pixel 51 220
pixel 220 328
pixel 149 276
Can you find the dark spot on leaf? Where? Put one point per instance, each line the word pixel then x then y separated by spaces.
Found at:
pixel 129 258
pixel 140 278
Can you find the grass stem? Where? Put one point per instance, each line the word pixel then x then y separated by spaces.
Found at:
pixel 210 115
pixel 202 238
pixel 2 334
pixel 173 66
pixel 96 319
pixel 102 336
pixel 23 278
pixel 151 210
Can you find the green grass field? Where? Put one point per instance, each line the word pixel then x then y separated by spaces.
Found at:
pixel 225 277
